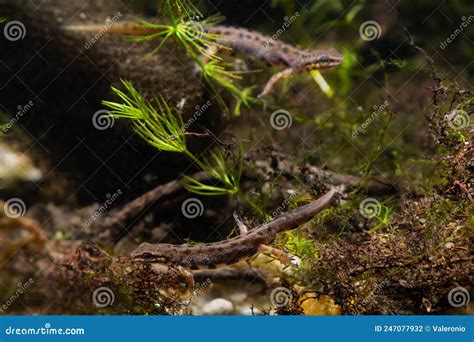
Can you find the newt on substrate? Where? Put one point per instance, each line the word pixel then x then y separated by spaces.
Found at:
pixel 243 41
pixel 216 254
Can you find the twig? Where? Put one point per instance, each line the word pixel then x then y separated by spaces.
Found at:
pixel 36 235
pixel 144 202
pixel 29 224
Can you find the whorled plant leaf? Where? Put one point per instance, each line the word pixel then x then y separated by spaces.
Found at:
pixel 216 166
pixel 160 127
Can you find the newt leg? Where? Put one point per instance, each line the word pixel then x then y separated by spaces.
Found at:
pixel 274 79
pixel 242 227
pixel 283 257
pixel 188 276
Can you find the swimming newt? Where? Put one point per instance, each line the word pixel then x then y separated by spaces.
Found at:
pixel 243 41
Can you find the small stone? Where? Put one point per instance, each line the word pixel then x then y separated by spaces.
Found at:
pixel 218 306
pixel 238 297
pixel 321 305
pixel 295 261
pixel 449 245
pixel 403 283
pixel 16 166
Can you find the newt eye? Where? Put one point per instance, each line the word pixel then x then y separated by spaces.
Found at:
pixel 324 59
pixel 147 256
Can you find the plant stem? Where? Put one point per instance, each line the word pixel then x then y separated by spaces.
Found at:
pixel 194 159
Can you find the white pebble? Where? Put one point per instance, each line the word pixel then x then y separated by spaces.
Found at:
pixel 218 306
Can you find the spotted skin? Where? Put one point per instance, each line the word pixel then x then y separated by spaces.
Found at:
pixel 274 52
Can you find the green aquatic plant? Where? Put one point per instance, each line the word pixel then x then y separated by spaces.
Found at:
pixel 217 167
pixel 227 173
pixel 184 8
pixel 163 128
pixel 296 243
pixel 199 44
pixel 189 33
pixel 384 218
pixel 156 123
pixel 245 99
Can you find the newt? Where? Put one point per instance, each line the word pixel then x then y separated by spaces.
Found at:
pixel 227 252
pixel 274 52
pixel 243 41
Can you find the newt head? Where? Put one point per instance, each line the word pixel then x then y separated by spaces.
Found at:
pixel 320 59
pixel 148 253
